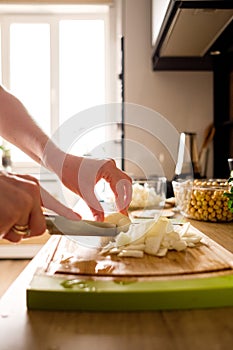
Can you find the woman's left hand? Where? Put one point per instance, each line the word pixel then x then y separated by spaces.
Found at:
pixel 80 175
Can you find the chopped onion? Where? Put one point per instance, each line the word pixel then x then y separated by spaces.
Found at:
pixel 154 237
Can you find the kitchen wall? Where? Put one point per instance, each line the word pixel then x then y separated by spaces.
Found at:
pixel 185 99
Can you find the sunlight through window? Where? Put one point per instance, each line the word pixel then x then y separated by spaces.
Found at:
pixel 82 66
pixel 30 72
pixel 82 74
pixel 57 68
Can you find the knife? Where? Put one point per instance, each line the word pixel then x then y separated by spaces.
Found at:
pixel 59 225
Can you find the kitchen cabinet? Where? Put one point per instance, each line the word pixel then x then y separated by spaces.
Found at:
pixel 198 36
pixel 223 114
pixel 188 35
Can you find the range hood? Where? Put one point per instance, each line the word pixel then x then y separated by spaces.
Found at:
pixel 188 34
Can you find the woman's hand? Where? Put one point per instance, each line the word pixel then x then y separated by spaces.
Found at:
pixel 20 206
pixel 77 173
pixel 81 175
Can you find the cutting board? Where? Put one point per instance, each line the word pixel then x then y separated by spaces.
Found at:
pixel 84 258
pixel 76 277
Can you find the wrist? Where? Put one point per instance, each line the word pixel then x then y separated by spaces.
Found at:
pixel 53 158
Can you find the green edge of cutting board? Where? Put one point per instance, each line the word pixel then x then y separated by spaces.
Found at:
pixel 47 293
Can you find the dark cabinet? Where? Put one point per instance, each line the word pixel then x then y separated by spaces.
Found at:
pixel 189 34
pixel 223 114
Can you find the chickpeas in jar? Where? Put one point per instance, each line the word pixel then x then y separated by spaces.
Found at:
pixel 205 201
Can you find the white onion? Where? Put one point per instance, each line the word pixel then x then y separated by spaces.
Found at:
pixel 154 237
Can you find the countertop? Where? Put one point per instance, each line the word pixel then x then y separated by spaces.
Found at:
pixel 21 329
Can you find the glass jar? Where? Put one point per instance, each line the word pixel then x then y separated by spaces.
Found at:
pixel 203 200
pixel 149 193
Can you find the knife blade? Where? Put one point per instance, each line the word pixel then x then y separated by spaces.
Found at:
pixel 59 225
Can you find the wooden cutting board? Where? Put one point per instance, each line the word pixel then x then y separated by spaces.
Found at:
pixel 73 276
pixel 74 258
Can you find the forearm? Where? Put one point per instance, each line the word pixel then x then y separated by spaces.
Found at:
pixel 79 174
pixel 17 126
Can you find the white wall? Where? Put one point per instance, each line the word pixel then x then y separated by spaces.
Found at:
pixel 184 98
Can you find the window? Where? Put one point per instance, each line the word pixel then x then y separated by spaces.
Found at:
pixel 57 65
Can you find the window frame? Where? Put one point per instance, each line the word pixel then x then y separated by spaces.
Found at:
pixel 53 20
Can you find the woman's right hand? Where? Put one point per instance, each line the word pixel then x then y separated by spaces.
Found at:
pixel 20 205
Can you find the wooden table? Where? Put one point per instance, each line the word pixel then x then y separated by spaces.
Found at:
pixel 190 329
